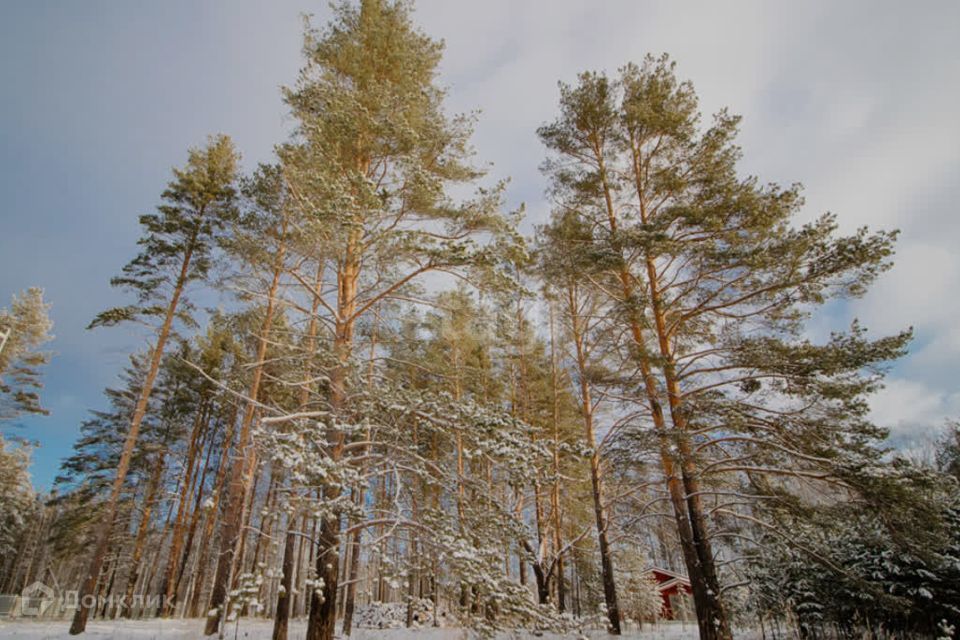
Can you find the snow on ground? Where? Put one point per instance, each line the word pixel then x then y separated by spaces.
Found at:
pixel 261 630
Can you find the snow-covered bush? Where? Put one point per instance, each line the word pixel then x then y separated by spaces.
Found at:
pixel 889 561
pixel 16 494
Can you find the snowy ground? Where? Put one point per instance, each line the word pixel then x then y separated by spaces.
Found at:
pixel 261 630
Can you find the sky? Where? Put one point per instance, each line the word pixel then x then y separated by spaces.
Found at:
pixel 859 101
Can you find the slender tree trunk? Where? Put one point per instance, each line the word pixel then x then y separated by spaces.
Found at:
pixel 311 560
pixel 555 498
pixel 351 593
pixel 675 488
pixel 245 527
pixel 266 522
pixel 194 517
pixel 596 477
pixel 158 554
pixel 142 529
pixel 100 551
pixel 241 474
pixel 711 615
pixel 212 515
pixel 520 556
pixel 108 587
pixel 298 604
pixel 413 579
pixel 321 621
pixel 286 597
pixel 168 591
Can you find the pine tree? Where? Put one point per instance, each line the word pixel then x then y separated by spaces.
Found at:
pixel 23 329
pixel 371 162
pixel 16 497
pixel 714 282
pixel 176 252
pixel 565 251
pixel 268 217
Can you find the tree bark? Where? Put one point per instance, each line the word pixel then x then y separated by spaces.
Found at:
pixel 142 529
pixel 555 498
pixel 596 478
pixel 241 475
pixel 711 615
pixel 351 593
pixel 282 617
pixel 212 516
pixel 321 621
pixel 168 592
pixel 89 584
pixel 704 601
pixel 195 517
pixel 286 597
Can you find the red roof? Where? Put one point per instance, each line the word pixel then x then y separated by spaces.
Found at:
pixel 668 584
pixel 665 577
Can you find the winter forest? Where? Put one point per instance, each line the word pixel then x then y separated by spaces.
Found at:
pixel 416 409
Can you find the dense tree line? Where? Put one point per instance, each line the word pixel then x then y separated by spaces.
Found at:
pixel 404 399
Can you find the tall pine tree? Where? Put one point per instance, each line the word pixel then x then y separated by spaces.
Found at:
pixel 177 251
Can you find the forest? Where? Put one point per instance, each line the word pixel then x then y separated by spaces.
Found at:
pixel 416 408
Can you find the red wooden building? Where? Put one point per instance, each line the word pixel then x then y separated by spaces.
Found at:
pixel 675 594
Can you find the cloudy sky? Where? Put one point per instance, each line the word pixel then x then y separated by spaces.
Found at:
pixel 859 101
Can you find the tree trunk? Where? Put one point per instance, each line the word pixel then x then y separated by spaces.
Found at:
pixel 541 577
pixel 194 518
pixel 285 598
pixel 285 594
pixel 241 475
pixel 711 621
pixel 351 594
pixel 321 622
pixel 158 554
pixel 144 527
pixel 244 532
pixel 711 615
pixel 106 524
pixel 168 591
pixel 555 498
pixel 596 479
pixel 207 538
pixel 265 529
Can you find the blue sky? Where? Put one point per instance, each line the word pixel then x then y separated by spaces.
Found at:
pixel 856 100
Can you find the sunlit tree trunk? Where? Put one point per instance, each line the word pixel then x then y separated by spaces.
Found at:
pixel 711 614
pixel 596 477
pixel 149 499
pixel 110 512
pixel 286 597
pixel 321 621
pixel 168 590
pixel 241 473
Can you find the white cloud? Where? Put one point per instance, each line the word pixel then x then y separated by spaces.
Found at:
pixel 917 291
pixel 913 411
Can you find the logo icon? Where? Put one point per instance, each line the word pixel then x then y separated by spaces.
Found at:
pixel 35 599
